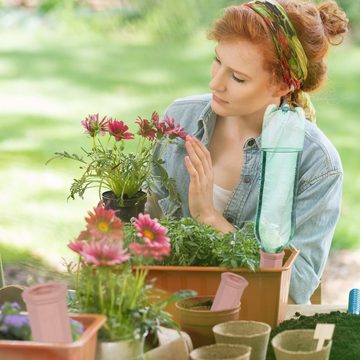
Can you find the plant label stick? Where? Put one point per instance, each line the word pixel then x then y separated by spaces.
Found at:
pixel 323 332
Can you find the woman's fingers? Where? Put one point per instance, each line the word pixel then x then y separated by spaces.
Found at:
pixel 204 154
pixel 193 173
pixel 196 157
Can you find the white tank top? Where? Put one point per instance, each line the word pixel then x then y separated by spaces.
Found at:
pixel 221 197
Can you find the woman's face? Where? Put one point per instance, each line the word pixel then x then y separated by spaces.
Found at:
pixel 240 84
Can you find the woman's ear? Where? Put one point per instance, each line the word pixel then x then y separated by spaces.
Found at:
pixel 281 90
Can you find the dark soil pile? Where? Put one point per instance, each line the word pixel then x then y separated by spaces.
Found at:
pixel 346 339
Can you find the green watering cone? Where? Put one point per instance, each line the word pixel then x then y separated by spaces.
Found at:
pixel 282 143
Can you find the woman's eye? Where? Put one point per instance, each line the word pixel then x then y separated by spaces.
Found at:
pixel 237 79
pixel 216 59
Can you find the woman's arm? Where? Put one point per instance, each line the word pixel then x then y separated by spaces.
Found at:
pixel 317 212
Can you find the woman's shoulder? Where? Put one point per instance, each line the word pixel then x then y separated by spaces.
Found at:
pixel 187 109
pixel 201 99
pixel 320 157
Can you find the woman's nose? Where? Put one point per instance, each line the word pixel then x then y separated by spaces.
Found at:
pixel 217 82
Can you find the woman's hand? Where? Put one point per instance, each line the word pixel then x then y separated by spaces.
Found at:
pixel 199 166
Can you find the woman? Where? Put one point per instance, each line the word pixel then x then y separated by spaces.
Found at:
pixel 267 53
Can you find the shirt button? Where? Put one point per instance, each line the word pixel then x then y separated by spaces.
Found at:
pixel 251 142
pixel 247 179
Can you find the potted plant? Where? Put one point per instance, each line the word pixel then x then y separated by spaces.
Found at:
pixel 16 340
pixel 124 177
pixel 200 254
pixel 106 284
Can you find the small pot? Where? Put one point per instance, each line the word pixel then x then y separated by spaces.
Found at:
pixel 221 352
pixel 128 207
pixel 271 260
pixel 131 349
pixel 196 318
pixel 242 332
pixel 299 345
pixel 48 314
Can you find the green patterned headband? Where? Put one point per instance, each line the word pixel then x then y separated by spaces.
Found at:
pixel 290 51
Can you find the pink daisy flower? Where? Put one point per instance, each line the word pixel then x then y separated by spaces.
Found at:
pixel 93 126
pixel 149 229
pixel 103 224
pixel 119 130
pixel 155 242
pixel 173 130
pixel 76 245
pixel 151 249
pixel 146 129
pixel 160 126
pixel 104 253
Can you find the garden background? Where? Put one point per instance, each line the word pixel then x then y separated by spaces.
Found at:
pixel 61 60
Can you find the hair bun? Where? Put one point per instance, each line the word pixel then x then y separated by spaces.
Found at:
pixel 334 21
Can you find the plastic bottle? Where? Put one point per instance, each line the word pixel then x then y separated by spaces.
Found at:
pixel 282 142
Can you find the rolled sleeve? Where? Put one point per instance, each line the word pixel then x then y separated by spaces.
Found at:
pixel 317 212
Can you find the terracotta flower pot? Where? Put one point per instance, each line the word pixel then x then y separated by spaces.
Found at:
pixel 274 283
pixel 251 333
pixel 131 207
pixel 82 349
pixel 197 320
pixel 299 345
pixel 221 352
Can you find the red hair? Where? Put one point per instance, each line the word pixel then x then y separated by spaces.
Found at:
pixel 316 26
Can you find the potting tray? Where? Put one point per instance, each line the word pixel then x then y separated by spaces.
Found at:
pixel 82 349
pixel 265 299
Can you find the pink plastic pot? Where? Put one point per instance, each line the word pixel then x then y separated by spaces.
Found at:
pixel 229 292
pixel 271 260
pixel 48 314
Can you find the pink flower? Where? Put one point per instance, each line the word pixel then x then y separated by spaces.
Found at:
pixel 160 126
pixel 93 126
pixel 155 242
pixel 152 249
pixel 149 229
pixel 103 224
pixel 119 130
pixel 174 130
pixel 76 245
pixel 103 253
pixel 146 129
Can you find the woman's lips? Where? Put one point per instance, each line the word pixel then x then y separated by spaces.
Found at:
pixel 219 100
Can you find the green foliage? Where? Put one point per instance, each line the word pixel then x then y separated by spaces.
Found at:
pixel 238 249
pixel 46 6
pixel 195 244
pixel 132 306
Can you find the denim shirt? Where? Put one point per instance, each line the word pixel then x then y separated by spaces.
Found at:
pixel 318 199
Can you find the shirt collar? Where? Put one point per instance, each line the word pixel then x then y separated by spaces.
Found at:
pixel 207 120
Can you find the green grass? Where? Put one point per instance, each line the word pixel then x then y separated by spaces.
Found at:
pixel 51 82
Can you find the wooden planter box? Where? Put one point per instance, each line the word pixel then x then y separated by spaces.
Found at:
pixel 82 349
pixel 265 299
